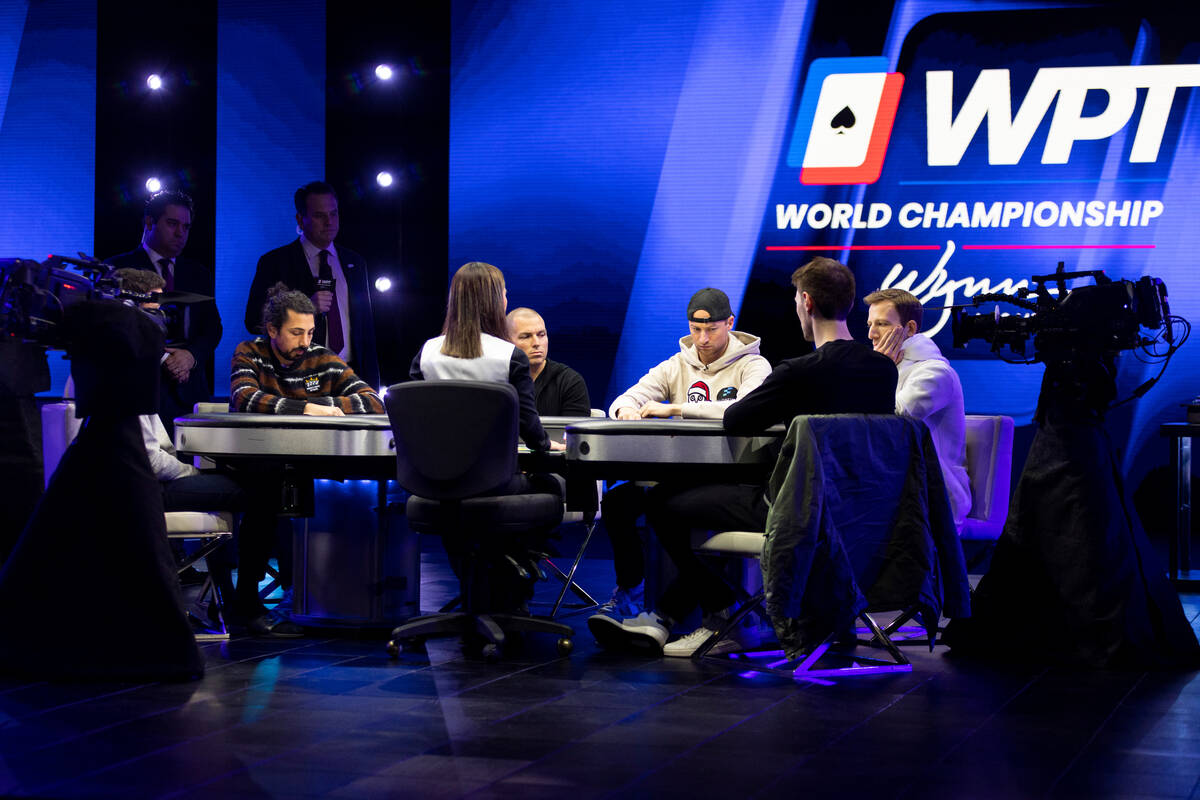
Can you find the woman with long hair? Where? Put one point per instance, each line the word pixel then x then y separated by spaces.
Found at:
pixel 474 345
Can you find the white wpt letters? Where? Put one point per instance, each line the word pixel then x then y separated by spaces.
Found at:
pixel 1008 136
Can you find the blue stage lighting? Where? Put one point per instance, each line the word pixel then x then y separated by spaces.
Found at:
pixel 384 72
pixel 384 179
pixel 154 81
pixel 153 185
pixel 383 283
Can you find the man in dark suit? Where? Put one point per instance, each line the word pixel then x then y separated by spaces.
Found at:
pixel 334 278
pixel 188 364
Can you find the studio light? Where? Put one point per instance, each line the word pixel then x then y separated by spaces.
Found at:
pixel 384 179
pixel 383 283
pixel 153 185
pixel 383 72
pixel 154 81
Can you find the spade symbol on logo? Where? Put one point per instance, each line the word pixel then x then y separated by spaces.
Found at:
pixel 843 119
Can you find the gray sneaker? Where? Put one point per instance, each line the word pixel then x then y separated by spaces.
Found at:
pixel 625 603
pixel 645 631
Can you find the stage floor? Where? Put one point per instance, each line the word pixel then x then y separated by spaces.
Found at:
pixel 332 716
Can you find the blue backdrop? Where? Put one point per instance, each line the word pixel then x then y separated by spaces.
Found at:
pixel 613 158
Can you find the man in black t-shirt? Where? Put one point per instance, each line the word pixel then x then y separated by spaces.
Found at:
pixel 840 376
pixel 558 390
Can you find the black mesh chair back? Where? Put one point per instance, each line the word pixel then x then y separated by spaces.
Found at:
pixel 454 439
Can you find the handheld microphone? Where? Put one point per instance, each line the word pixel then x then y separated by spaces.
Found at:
pixel 326 284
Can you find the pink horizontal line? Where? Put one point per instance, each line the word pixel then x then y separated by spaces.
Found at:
pixel 1058 247
pixel 854 247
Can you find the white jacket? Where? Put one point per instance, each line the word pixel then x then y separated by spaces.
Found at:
pixel 703 390
pixel 929 390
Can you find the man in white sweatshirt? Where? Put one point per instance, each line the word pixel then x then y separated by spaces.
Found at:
pixel 928 388
pixel 715 366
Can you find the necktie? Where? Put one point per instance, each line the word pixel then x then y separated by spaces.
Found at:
pixel 168 274
pixel 333 317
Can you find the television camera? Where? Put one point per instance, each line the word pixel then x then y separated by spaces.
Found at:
pixel 1078 333
pixel 34 298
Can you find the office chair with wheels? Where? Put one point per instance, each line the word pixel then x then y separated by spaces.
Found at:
pixel 456 441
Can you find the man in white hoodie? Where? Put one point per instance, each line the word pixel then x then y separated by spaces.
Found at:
pixel 715 366
pixel 928 388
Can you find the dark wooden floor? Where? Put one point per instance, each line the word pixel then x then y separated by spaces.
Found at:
pixel 334 717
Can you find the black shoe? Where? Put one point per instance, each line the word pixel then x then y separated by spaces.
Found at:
pixel 274 626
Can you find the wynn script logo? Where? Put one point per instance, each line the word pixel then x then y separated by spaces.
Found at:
pixel 848 106
pixel 938 288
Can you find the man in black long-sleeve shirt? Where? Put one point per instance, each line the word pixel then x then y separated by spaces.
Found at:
pixel 840 376
pixel 558 390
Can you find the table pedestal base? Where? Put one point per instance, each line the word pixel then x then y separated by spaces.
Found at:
pixel 356 563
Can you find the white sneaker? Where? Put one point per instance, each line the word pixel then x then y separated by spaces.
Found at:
pixel 740 638
pixel 646 630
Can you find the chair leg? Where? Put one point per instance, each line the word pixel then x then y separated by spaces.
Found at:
pixel 525 624
pixel 264 593
pixel 806 666
pixel 903 617
pixel 204 551
pixel 432 624
pixel 222 632
pixel 489 629
pixel 753 604
pixel 906 615
pixel 882 638
pixel 569 578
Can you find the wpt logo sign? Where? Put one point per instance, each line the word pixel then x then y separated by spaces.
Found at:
pixel 1008 135
pixel 845 120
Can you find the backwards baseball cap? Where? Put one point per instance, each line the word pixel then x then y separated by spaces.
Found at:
pixel 714 301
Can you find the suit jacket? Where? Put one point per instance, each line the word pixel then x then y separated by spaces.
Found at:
pixel 288 265
pixel 176 399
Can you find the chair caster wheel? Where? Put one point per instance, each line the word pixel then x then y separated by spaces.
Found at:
pixel 397 646
pixel 490 652
pixel 565 646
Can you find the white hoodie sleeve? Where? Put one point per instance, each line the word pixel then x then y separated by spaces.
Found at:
pixel 928 387
pixel 654 385
pixel 752 371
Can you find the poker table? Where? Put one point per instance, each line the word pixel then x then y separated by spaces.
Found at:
pixel 355 562
pixel 665 449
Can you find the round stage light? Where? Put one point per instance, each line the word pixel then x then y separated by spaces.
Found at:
pixel 153 185
pixel 384 179
pixel 154 81
pixel 383 284
pixel 383 72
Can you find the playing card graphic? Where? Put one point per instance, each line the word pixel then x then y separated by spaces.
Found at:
pixel 845 120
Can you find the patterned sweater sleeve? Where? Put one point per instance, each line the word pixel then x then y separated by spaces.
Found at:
pixel 352 394
pixel 253 386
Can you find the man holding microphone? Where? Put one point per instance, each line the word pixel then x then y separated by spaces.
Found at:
pixel 333 277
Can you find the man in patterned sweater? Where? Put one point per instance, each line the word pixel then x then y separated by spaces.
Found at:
pixel 285 373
